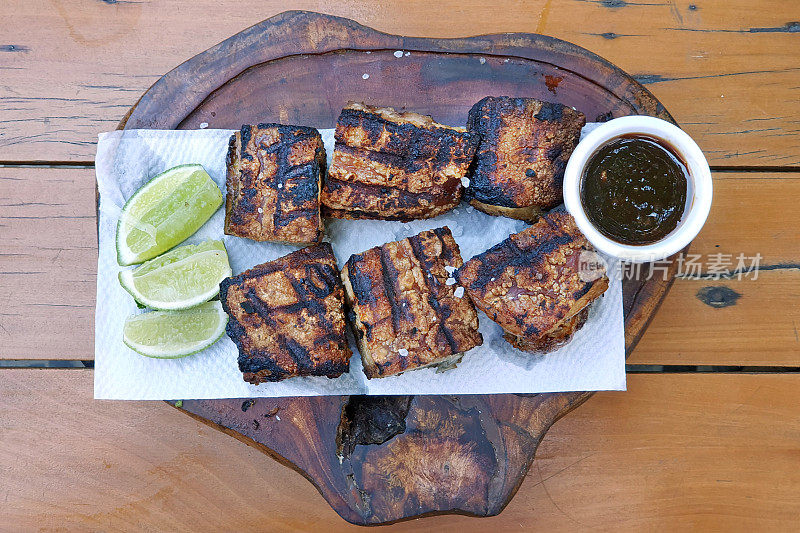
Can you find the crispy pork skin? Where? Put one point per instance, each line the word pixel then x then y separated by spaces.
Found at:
pixel 395 166
pixel 531 283
pixel 273 182
pixel 524 147
pixel 552 340
pixel 287 317
pixel 405 311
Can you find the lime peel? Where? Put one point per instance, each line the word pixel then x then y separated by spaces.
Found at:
pixel 175 334
pixel 164 212
pixel 182 278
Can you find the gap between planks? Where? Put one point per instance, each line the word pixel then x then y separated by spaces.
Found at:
pixel 74 364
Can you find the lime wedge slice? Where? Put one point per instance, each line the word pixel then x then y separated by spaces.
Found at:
pixel 173 334
pixel 164 212
pixel 181 278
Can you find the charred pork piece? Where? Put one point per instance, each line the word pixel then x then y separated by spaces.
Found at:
pixel 287 317
pixel 551 340
pixel 524 148
pixel 395 166
pixel 273 182
pixel 406 312
pixel 534 283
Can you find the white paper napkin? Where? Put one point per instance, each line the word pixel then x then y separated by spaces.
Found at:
pixel 593 360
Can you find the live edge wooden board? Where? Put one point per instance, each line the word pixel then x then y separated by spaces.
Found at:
pixel 409 455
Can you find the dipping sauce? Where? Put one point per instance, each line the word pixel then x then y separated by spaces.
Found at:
pixel 634 190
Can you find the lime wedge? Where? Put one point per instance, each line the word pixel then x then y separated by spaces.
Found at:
pixel 181 278
pixel 164 212
pixel 173 334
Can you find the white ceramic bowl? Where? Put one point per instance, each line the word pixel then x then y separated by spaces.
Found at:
pixel 698 197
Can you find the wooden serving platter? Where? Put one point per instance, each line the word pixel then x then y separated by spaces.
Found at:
pixel 403 456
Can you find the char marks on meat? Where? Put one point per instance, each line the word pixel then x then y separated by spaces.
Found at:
pixel 533 285
pixel 405 313
pixel 273 184
pixel 524 147
pixel 395 166
pixel 287 317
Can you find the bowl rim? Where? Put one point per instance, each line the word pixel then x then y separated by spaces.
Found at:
pixel 700 187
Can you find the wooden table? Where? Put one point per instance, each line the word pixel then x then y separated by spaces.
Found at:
pixel 708 434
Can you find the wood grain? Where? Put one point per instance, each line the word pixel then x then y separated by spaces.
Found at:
pixel 316 63
pixel 676 451
pixel 753 212
pixel 721 456
pixel 759 324
pixel 466 454
pixel 48 263
pixel 57 272
pixel 726 69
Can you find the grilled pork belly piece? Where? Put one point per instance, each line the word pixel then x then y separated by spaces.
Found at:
pixel 287 317
pixel 273 182
pixel 531 283
pixel 552 340
pixel 395 166
pixel 406 313
pixel 524 147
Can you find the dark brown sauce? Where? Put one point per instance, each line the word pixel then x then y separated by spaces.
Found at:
pixel 634 190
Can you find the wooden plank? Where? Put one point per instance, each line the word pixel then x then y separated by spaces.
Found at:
pixel 726 69
pixel 737 321
pixel 48 263
pixel 753 212
pixel 722 456
pixel 73 463
pixel 682 452
pixel 49 259
pixel 757 323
